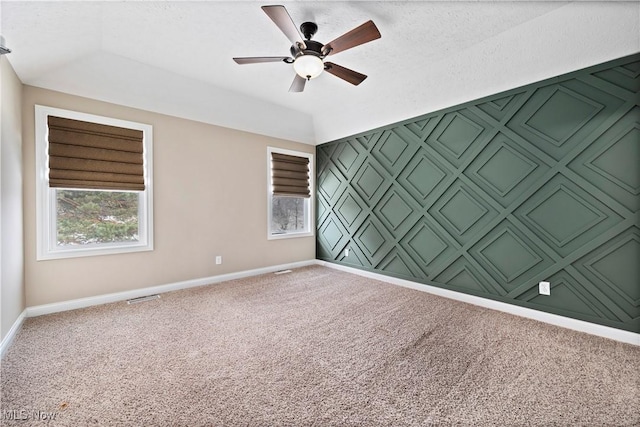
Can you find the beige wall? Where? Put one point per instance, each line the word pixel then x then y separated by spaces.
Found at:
pixel 209 199
pixel 11 252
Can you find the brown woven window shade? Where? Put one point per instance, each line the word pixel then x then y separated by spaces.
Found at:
pixel 94 156
pixel 290 175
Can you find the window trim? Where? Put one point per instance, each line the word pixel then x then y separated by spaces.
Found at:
pixel 311 199
pixel 46 247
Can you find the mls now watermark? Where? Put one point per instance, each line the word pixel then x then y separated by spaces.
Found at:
pixel 27 415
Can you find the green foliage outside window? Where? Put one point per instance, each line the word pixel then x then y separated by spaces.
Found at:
pixel 86 217
pixel 288 214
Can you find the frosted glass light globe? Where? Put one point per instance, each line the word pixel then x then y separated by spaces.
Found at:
pixel 308 66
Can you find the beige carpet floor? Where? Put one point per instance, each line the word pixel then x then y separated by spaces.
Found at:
pixel 315 347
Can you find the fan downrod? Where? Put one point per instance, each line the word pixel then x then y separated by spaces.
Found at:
pixel 308 29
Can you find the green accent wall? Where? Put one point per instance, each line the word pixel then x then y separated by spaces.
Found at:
pixel 490 197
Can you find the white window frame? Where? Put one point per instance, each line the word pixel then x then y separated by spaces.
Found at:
pixel 309 201
pixel 46 233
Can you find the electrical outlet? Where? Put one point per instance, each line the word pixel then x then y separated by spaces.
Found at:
pixel 218 260
pixel 544 288
pixel 346 252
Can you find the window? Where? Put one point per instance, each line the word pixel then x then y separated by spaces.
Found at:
pixel 93 185
pixel 290 193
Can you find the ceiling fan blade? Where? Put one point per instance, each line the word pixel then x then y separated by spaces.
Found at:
pixel 261 59
pixel 282 19
pixel 298 84
pixel 359 35
pixel 345 74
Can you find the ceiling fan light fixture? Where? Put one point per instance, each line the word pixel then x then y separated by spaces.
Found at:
pixel 308 66
pixel 308 56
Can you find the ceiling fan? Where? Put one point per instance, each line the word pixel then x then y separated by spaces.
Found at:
pixel 308 55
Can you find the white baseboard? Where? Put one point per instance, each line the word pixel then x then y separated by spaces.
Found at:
pixel 553 319
pixel 8 339
pixel 40 310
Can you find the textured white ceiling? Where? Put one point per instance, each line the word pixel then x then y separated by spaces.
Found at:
pixel 175 57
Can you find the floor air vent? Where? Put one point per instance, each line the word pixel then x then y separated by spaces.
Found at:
pixel 143 299
pixel 282 272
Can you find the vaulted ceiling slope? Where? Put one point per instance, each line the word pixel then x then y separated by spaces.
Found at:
pixel 176 57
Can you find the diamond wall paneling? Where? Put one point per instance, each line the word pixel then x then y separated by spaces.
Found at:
pixel 490 197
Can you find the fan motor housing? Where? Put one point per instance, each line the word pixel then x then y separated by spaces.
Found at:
pixel 313 48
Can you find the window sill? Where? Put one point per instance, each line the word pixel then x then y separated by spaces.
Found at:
pixel 290 235
pixel 94 251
